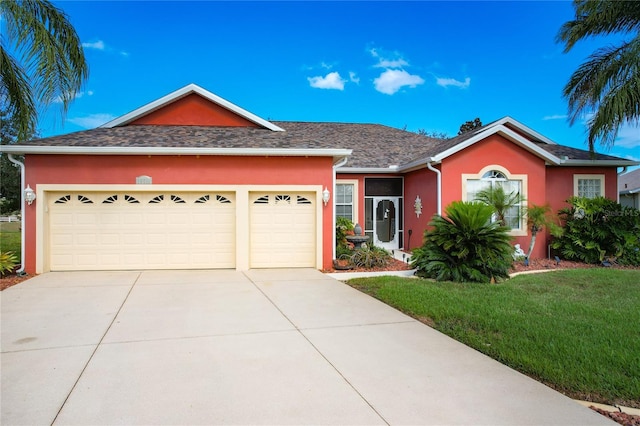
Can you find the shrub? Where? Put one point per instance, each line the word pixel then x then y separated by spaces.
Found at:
pixel 8 261
pixel 343 228
pixel 464 246
pixel 370 256
pixel 598 229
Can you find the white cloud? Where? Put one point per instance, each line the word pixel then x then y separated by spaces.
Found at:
pixel 353 77
pixel 446 82
pixel 98 45
pixel 628 136
pixel 555 117
pixel 330 81
pixel 390 81
pixel 78 95
pixel 92 120
pixel 396 62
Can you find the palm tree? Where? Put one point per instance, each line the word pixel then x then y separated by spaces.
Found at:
pixel 607 85
pixel 537 218
pixel 50 65
pixel 501 201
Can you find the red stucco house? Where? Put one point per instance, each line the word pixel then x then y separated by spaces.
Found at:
pixel 193 181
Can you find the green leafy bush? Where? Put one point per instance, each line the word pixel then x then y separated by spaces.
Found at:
pixel 8 261
pixel 343 228
pixel 598 229
pixel 464 246
pixel 370 256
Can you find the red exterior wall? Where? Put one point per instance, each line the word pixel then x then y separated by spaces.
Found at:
pixel 496 150
pixel 421 183
pixel 180 170
pixel 194 110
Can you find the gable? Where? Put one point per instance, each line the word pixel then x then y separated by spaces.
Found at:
pixel 193 110
pixel 192 106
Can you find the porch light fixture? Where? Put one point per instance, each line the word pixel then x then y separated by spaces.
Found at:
pixel 29 195
pixel 417 205
pixel 325 196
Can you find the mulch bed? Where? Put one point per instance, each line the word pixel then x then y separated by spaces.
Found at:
pixel 393 265
pixel 618 417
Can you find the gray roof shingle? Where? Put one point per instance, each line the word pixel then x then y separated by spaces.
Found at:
pixel 373 145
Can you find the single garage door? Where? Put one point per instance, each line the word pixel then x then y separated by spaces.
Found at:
pixel 141 230
pixel 282 230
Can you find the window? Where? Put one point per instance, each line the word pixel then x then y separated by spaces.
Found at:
pixel 344 200
pixel 589 186
pixel 496 176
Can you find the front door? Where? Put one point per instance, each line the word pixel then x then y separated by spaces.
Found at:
pixel 385 232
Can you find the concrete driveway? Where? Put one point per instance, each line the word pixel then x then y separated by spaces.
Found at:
pixel 261 347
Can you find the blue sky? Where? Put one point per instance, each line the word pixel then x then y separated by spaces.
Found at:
pixel 415 65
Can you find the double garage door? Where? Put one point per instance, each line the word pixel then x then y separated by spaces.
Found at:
pixel 179 230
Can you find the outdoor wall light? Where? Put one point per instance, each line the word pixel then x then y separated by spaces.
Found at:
pixel 417 205
pixel 325 196
pixel 29 195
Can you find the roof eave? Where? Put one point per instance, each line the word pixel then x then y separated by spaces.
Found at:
pixel 369 170
pixel 102 150
pixel 609 163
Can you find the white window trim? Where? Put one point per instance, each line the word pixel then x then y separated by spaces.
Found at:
pixel 356 200
pixel 577 178
pixel 524 179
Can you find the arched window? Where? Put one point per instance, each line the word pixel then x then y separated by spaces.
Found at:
pixel 511 184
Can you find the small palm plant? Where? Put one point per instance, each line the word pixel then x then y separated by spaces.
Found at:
pixel 465 246
pixel 500 200
pixel 538 217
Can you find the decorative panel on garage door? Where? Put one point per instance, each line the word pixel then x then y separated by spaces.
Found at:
pixel 141 230
pixel 283 230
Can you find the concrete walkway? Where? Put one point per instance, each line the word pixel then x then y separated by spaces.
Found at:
pixel 262 347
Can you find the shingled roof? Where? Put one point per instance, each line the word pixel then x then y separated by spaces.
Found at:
pixel 373 146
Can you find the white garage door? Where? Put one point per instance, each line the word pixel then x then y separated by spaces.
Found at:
pixel 141 230
pixel 282 230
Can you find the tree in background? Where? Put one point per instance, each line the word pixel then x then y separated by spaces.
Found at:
pixel 468 126
pixel 49 66
pixel 432 134
pixel 9 172
pixel 607 85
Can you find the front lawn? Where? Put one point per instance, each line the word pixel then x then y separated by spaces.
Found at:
pixel 10 237
pixel 577 331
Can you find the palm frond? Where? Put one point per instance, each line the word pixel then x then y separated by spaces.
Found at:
pixel 50 51
pixel 15 95
pixel 599 17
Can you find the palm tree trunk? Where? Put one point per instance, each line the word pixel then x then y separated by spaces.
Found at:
pixel 532 243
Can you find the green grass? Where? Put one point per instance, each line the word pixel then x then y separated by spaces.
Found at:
pixel 10 237
pixel 577 331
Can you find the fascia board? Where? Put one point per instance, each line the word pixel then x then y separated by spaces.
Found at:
pixel 524 129
pixel 191 88
pixel 506 132
pixel 619 163
pixel 378 170
pixel 87 150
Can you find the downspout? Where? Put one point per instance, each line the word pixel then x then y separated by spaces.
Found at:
pixel 22 239
pixel 624 170
pixel 438 185
pixel 333 204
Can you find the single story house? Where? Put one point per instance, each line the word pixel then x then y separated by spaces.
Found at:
pixel 629 189
pixel 193 181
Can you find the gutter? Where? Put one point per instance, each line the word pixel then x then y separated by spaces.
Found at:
pixel 438 185
pixel 137 150
pixel 339 164
pixel 22 222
